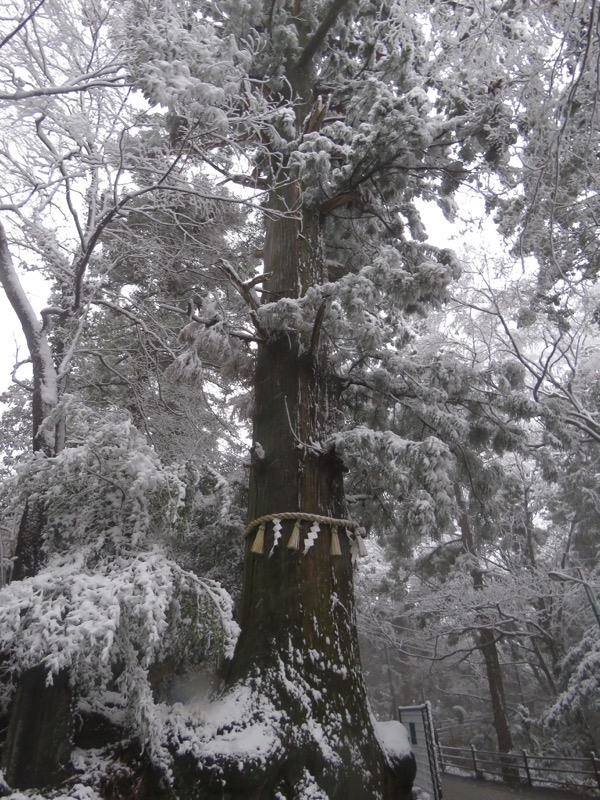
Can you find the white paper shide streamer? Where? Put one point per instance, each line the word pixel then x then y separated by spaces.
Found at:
pixel 311 537
pixel 276 534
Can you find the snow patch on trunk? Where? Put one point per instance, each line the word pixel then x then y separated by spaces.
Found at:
pixel 239 725
pixel 393 739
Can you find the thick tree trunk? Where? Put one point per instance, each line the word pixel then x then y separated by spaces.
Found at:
pixel 298 628
pixel 38 739
pixel 298 649
pixel 299 641
pixel 39 736
pixel 38 742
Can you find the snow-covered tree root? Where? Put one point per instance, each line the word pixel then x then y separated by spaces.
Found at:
pixel 243 745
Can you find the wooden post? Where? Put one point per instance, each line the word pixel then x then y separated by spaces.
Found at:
pixel 596 765
pixel 440 756
pixel 474 757
pixel 527 772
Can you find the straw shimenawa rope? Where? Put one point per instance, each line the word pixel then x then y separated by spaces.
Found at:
pixel 354 531
pixel 303 517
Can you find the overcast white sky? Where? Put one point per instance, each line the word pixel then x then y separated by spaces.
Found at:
pixel 12 337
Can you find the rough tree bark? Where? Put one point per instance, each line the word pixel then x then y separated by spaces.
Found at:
pixel 297 610
pixel 298 642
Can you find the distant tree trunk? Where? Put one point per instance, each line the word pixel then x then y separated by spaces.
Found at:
pixel 489 651
pixel 543 605
pixel 38 740
pixel 28 551
pixel 496 685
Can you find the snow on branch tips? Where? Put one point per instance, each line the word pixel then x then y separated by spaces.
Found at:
pixel 108 597
pixel 417 474
pixel 209 340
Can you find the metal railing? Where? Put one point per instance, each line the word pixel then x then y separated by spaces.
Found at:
pixel 528 768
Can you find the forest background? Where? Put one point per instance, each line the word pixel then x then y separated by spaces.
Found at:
pixel 247 316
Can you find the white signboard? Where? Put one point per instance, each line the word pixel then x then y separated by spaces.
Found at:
pixel 418 722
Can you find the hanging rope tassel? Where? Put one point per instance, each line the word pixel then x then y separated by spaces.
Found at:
pixel 353 532
pixel 335 549
pixel 294 542
pixel 259 541
pixel 362 548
